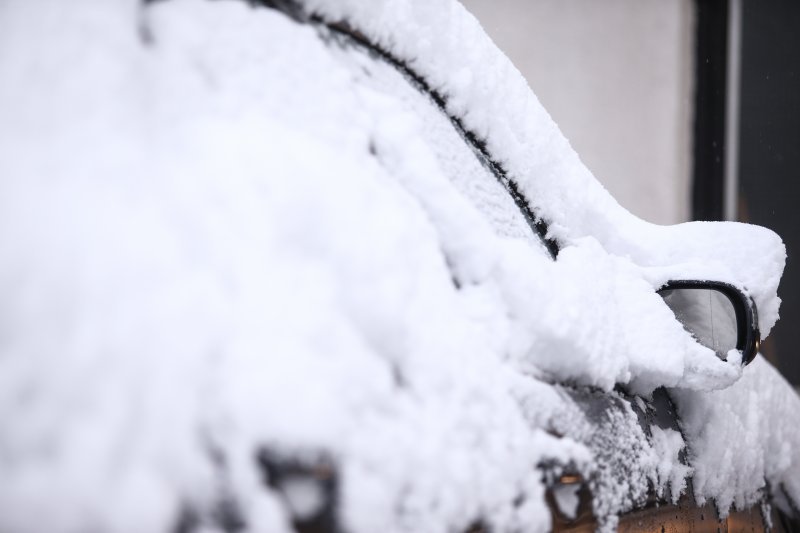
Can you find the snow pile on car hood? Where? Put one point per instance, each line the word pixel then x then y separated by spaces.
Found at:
pixel 204 265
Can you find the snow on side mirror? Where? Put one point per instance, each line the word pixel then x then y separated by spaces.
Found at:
pixel 719 316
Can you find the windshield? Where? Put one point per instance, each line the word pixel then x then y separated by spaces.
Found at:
pixel 460 156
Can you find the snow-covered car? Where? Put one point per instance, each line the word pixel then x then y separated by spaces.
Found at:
pixel 330 266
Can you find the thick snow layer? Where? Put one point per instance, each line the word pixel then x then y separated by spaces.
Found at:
pixel 743 437
pixel 223 233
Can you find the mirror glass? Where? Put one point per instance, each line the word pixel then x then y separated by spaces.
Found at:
pixel 707 314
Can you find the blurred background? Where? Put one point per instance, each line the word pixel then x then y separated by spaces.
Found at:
pixel 683 109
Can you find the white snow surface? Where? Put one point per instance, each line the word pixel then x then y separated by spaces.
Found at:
pixel 743 437
pixel 667 444
pixel 217 237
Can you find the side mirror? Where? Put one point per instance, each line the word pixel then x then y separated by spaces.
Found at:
pixel 719 316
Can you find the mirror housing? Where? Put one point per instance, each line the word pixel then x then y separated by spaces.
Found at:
pixel 702 308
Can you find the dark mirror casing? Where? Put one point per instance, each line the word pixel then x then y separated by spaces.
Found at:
pixel 718 315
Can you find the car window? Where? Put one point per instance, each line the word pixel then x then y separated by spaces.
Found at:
pixel 464 164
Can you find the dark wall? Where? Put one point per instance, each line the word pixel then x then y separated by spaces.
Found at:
pixel 769 158
pixel 710 77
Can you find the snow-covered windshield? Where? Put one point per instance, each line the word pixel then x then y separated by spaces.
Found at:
pixel 408 109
